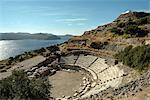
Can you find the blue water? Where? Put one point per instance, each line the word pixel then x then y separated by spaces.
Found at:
pixel 11 48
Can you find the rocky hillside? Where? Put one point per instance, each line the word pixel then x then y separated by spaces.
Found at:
pixel 134 24
pixel 131 28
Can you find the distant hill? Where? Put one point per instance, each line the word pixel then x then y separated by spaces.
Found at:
pixel 21 36
pixel 65 36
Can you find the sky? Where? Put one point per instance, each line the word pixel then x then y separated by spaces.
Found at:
pixel 63 16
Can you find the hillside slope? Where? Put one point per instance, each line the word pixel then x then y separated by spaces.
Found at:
pixel 132 28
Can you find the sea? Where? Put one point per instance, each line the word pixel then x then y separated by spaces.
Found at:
pixel 11 48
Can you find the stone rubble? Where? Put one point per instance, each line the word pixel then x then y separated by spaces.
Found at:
pixel 41 71
pixel 129 89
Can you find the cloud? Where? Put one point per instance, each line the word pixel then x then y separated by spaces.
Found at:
pixel 53 14
pixel 72 20
pixel 75 24
pixel 80 24
pixel 144 10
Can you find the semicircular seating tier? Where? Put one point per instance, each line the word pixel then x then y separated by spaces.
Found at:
pixel 106 75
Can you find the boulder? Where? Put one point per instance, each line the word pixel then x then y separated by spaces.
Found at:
pixel 34 68
pixel 44 71
pixel 2 66
pixel 3 70
pixel 93 84
pixel 29 73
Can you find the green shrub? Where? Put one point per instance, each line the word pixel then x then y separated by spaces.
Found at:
pixel 138 57
pixel 39 51
pixel 133 30
pixel 96 45
pixel 116 31
pixel 144 20
pixel 126 36
pixel 18 86
pixel 53 48
pixel 130 22
pixel 121 24
pixel 11 58
pixel 17 57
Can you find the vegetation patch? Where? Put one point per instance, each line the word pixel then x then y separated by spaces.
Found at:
pixel 18 86
pixel 138 57
pixel 53 48
pixel 131 27
pixel 116 31
pixel 142 21
pixel 133 30
pixel 98 45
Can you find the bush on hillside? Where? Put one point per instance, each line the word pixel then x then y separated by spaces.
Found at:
pixel 96 45
pixel 138 57
pixel 131 27
pixel 130 22
pixel 121 24
pixel 133 30
pixel 39 51
pixel 116 31
pixel 18 86
pixel 53 48
pixel 144 20
pixel 17 57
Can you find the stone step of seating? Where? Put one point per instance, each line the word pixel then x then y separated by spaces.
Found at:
pixel 102 86
pixel 99 65
pixel 68 59
pixel 93 62
pixel 85 61
pixel 108 73
pixel 113 82
pixel 76 59
pixel 111 77
pixel 118 91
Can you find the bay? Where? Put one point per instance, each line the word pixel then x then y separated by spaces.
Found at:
pixel 11 48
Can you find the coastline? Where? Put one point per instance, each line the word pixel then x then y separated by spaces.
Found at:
pixel 11 61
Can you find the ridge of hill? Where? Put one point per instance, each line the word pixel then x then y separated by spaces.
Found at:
pixel 21 36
